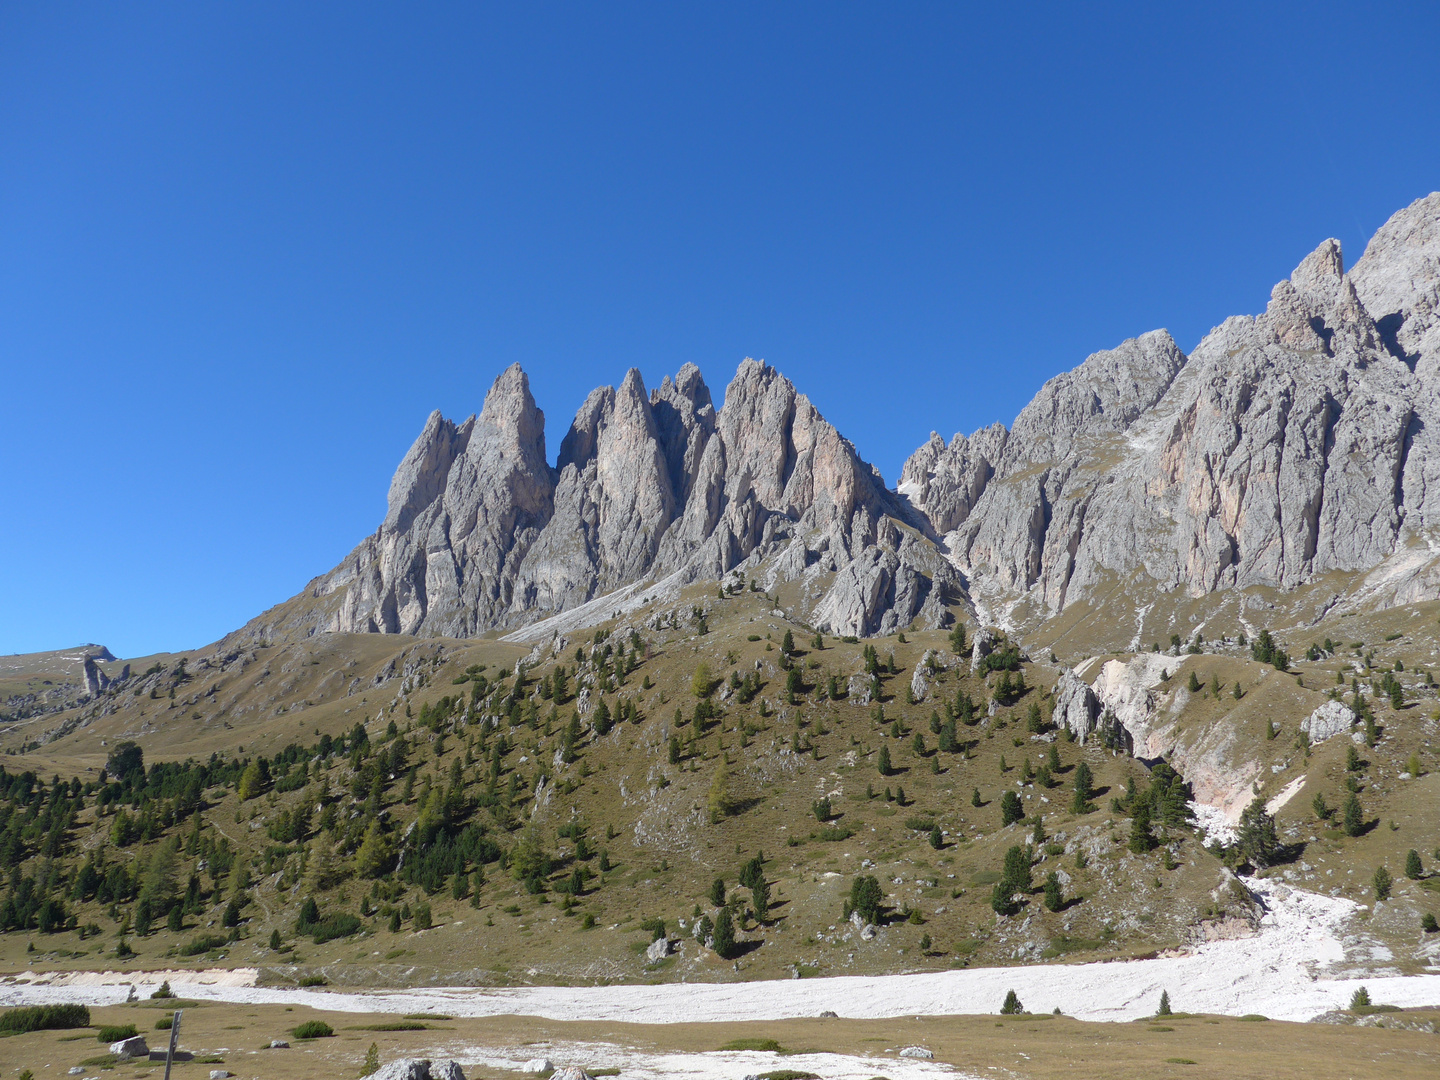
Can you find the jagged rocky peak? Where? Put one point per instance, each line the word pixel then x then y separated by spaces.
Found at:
pixel 1398 281
pixel 481 532
pixel 1287 445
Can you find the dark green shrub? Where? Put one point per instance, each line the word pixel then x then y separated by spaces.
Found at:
pixel 313 1029
pixel 115 1032
pixel 202 943
pixel 336 926
pixel 44 1018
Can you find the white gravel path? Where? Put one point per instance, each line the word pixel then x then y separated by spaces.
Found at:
pixel 1281 973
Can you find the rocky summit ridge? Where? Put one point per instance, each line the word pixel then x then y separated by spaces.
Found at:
pixel 1293 449
pixel 482 533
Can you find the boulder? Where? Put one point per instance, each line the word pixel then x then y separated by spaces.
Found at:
pixel 1330 719
pixel 980 648
pixel 659 949
pixel 916 1052
pixel 571 1072
pixel 857 690
pixel 920 677
pixel 538 1065
pixel 418 1069
pixel 279 1044
pixel 134 1046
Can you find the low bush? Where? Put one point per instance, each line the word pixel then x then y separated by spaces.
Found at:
pixel 313 1029
pixel 336 926
pixel 44 1018
pixel 202 944
pixel 115 1032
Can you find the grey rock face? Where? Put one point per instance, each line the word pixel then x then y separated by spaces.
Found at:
pixel 1076 706
pixel 482 533
pixel 1288 445
pixel 1330 719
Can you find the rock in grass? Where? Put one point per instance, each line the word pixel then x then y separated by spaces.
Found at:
pixel 134 1046
pixel 418 1069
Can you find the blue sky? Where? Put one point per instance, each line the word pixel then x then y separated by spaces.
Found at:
pixel 245 249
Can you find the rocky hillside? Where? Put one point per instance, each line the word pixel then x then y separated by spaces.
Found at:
pixel 1288 446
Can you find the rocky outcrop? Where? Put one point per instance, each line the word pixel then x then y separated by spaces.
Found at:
pixel 1076 709
pixel 1330 719
pixel 482 533
pixel 419 1069
pixel 1287 445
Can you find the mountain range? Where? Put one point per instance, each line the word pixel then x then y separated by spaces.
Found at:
pixel 1292 456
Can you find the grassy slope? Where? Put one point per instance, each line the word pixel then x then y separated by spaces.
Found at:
pixel 651 816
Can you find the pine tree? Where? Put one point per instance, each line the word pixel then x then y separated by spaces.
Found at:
pixel 1011 809
pixel 760 899
pixel 1141 839
pixel 865 898
pixel 975 799
pixel 883 761
pixel 957 638
pixel 937 838
pixel 1382 883
pixel 1413 868
pixel 372 1061
pixel 1084 789
pixel 1257 840
pixel 1194 684
pixel 1016 872
pixel 1012 1006
pixel 1164 1009
pixel 1354 816
pixel 1054 898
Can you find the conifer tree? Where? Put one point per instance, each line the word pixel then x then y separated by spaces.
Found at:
pixel 1354 816
pixel 1011 809
pixel 1257 840
pixel 1084 789
pixel 1012 1006
pixel 724 936
pixel 1141 839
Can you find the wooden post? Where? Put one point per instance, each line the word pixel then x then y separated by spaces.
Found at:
pixel 174 1041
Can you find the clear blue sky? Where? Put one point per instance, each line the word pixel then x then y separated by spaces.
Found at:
pixel 246 248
